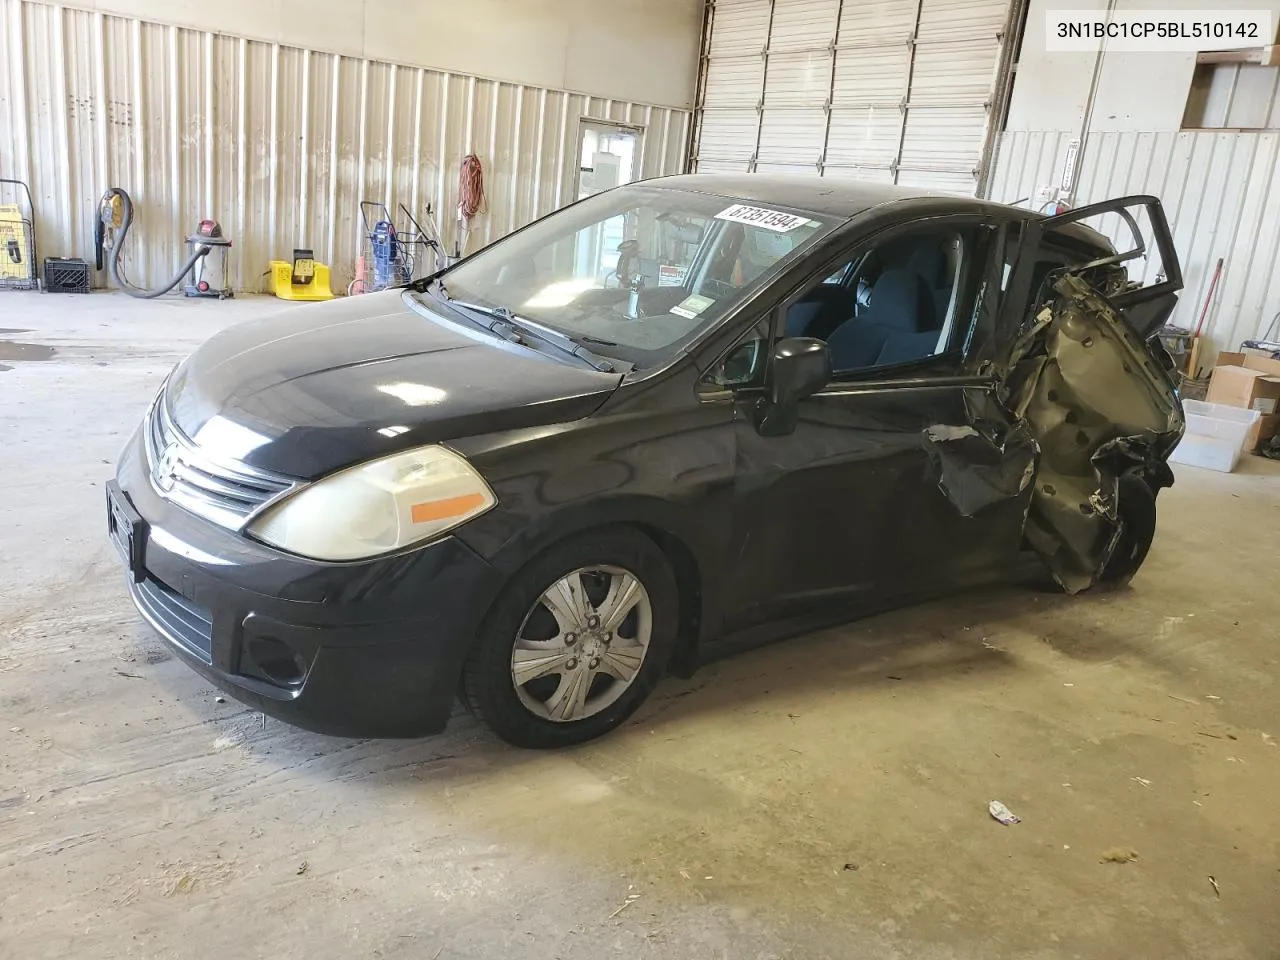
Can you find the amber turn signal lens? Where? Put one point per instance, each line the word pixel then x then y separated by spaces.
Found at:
pixel 444 509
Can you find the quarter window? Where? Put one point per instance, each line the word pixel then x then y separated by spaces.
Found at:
pixel 744 364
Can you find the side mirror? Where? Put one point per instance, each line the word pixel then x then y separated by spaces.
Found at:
pixel 801 367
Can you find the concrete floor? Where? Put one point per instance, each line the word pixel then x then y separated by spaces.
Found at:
pixel 822 798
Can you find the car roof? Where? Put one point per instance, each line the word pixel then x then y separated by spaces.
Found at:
pixel 847 198
pixel 831 195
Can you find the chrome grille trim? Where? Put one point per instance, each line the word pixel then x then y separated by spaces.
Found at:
pixel 227 493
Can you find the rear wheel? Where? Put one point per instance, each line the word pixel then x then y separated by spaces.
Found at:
pixel 1136 512
pixel 576 641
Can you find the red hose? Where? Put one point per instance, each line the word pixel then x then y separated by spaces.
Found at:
pixel 471 198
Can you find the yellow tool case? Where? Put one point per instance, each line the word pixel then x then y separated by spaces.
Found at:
pixel 17 237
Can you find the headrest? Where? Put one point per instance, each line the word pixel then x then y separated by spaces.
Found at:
pixel 902 300
pixel 930 263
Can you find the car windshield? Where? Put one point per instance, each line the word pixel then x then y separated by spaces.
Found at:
pixel 637 272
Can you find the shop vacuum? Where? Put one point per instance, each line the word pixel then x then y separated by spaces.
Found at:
pixel 203 274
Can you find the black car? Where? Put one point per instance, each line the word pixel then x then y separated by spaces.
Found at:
pixel 685 415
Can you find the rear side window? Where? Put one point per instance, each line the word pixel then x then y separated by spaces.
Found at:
pixel 1055 254
pixel 1123 249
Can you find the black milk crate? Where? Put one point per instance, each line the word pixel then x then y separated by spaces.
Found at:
pixel 65 275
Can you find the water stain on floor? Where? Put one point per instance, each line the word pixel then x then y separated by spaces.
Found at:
pixel 17 350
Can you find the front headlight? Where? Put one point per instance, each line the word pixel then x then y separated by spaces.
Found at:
pixel 377 507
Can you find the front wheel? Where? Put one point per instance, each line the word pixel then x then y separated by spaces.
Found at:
pixel 1136 511
pixel 576 642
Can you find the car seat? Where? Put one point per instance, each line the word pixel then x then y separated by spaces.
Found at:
pixel 819 312
pixel 900 325
pixel 931 264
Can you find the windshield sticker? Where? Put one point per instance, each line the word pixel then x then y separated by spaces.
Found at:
pixel 670 275
pixel 690 307
pixel 774 220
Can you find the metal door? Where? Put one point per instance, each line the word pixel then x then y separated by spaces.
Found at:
pixel 897 91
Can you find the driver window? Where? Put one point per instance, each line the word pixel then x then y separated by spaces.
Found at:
pixel 897 303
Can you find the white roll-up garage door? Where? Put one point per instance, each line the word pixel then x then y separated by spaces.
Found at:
pixel 899 91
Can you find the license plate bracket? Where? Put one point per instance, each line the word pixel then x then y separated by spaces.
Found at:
pixel 127 530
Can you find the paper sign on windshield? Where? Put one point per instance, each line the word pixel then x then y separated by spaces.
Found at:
pixel 670 275
pixel 690 307
pixel 766 219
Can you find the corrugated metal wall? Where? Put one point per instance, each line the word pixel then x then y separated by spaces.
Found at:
pixel 278 143
pixel 1221 192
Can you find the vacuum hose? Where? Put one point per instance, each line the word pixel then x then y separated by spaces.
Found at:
pixel 107 221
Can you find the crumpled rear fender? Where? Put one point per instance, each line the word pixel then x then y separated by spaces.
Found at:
pixel 1100 406
pixel 1079 416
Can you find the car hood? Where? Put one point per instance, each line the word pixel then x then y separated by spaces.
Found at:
pixel 317 388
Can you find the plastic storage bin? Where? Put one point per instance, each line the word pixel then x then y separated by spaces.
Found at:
pixel 1220 421
pixel 1216 435
pixel 1207 452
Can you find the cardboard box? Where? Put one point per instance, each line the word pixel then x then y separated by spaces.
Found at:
pixel 1251 361
pixel 1252 382
pixel 1264 430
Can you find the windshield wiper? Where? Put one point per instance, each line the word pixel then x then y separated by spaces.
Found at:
pixel 515 329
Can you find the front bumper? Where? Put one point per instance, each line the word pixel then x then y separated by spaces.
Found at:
pixel 370 649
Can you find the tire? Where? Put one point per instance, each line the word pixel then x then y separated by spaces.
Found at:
pixel 543 627
pixel 1137 517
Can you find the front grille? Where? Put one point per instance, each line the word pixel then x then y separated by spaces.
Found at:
pixel 228 494
pixel 177 618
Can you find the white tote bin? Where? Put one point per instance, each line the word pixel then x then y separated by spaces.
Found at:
pixel 1211 453
pixel 1220 421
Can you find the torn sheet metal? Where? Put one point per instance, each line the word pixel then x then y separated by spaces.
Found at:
pixel 1101 408
pixel 976 469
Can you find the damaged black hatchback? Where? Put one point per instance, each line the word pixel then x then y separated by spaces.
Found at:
pixel 681 416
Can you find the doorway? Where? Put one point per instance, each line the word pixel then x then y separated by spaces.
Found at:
pixel 608 156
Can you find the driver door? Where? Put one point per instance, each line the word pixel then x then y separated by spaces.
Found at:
pixel 847 510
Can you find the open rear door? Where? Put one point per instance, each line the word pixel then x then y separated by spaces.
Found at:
pixel 1148 267
pixel 1091 383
